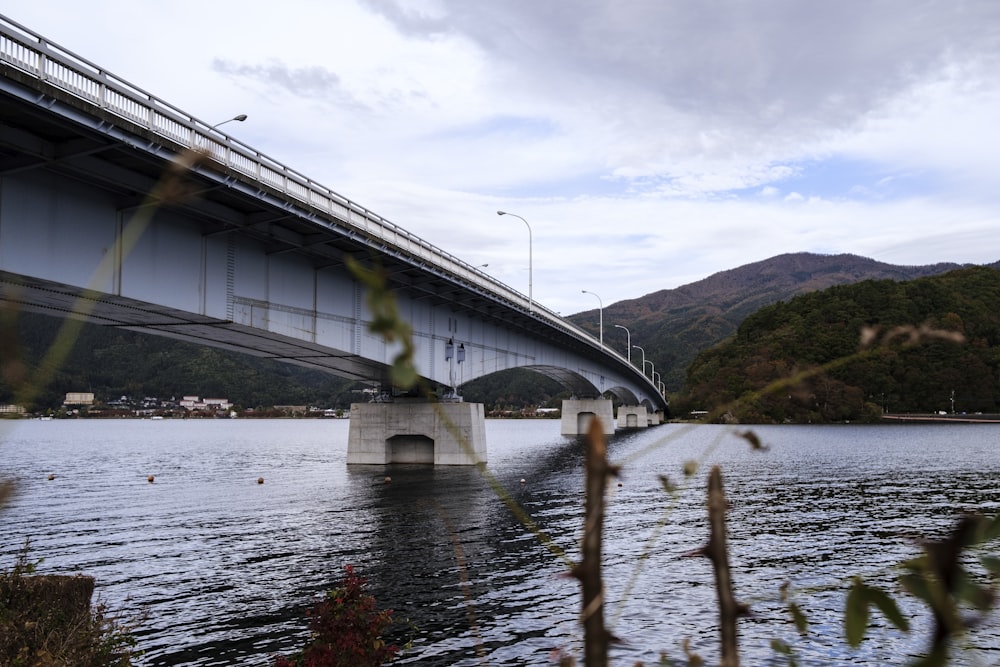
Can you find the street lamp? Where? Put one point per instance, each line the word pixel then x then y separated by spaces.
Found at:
pixel 529 253
pixel 628 342
pixel 643 358
pixel 239 119
pixel 600 312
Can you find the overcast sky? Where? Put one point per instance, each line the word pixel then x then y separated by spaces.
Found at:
pixel 648 143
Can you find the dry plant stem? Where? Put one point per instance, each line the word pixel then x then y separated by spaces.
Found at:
pixel 6 492
pixel 729 608
pixel 588 571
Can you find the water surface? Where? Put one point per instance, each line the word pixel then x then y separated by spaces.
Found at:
pixel 225 566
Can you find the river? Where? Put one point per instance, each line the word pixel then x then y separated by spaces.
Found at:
pixel 225 566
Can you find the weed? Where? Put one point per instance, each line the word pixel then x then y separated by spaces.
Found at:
pixel 48 621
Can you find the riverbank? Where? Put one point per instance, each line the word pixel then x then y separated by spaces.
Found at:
pixel 978 418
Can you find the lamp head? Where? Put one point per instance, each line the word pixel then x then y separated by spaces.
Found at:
pixel 242 117
pixel 501 212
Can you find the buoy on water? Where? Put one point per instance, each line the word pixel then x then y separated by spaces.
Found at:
pixel 388 480
pixel 260 480
pixel 51 477
pixel 151 479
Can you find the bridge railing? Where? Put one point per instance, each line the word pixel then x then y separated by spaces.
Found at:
pixel 48 62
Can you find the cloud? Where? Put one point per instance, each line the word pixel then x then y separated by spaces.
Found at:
pixel 309 82
pixel 680 91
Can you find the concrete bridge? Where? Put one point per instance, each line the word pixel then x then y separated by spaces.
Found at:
pixel 118 208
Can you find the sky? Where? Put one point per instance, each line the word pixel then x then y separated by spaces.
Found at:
pixel 646 144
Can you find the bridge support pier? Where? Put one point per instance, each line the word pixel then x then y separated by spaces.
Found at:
pixel 417 432
pixel 633 416
pixel 577 414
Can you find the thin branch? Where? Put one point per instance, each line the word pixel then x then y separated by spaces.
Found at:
pixel 716 551
pixel 588 570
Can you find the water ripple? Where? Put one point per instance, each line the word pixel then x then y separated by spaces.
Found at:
pixel 225 566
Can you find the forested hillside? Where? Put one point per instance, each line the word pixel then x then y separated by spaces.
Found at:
pixel 910 366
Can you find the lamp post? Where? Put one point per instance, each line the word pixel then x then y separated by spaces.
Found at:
pixel 529 253
pixel 600 313
pixel 239 119
pixel 628 342
pixel 643 358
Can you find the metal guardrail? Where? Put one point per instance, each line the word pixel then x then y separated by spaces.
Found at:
pixel 48 62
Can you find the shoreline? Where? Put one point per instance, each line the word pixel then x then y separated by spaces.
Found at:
pixel 947 418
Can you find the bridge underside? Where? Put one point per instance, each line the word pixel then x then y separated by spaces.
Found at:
pixel 65 301
pixel 580 386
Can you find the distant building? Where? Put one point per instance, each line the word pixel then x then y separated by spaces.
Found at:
pixel 196 403
pixel 79 398
pixel 189 402
pixel 7 409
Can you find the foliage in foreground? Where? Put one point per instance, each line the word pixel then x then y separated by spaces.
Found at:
pixel 38 630
pixel 345 629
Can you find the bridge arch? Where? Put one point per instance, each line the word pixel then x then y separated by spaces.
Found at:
pixel 577 384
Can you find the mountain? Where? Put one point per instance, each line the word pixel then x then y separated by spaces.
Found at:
pixel 673 325
pixel 854 351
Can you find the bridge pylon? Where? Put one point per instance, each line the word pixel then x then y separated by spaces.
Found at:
pixel 577 414
pixel 417 431
pixel 633 416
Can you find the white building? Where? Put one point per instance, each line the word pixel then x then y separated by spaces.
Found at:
pixel 79 398
pixel 195 403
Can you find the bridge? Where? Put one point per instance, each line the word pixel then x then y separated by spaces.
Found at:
pixel 120 209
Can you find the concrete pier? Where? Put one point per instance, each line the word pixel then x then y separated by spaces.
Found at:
pixel 633 416
pixel 577 413
pixel 417 432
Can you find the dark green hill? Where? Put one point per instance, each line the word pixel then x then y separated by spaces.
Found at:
pixel 919 371
pixel 674 325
